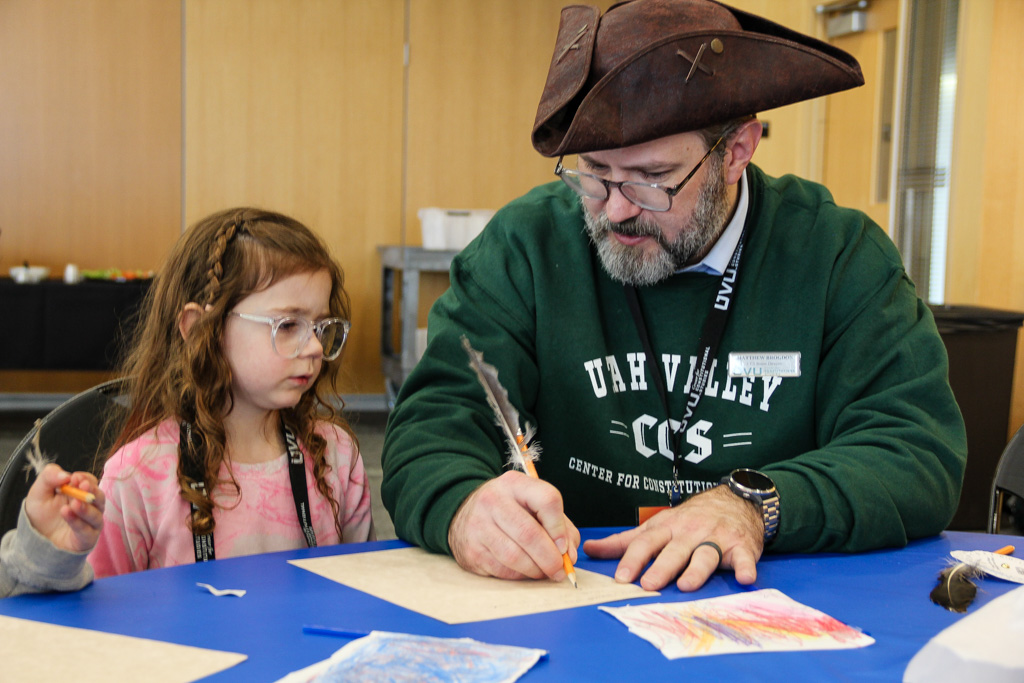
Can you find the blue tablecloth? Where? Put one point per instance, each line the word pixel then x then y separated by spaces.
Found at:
pixel 884 593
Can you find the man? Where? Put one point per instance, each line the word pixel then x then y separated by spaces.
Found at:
pixel 723 361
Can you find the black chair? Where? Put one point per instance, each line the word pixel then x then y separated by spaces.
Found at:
pixel 1009 478
pixel 71 435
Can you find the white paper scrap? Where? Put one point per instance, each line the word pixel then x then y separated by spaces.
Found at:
pixel 221 592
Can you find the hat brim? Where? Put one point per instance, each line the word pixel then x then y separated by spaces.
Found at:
pixel 647 85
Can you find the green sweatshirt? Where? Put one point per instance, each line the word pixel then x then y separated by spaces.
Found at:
pixel 867 446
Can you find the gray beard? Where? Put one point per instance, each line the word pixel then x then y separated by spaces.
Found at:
pixel 632 265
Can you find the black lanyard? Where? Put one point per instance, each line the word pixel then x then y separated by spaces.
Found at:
pixel 710 337
pixel 190 452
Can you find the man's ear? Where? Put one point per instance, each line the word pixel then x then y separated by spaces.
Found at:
pixel 187 318
pixel 741 150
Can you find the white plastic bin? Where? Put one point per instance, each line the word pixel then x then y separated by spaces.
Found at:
pixel 451 229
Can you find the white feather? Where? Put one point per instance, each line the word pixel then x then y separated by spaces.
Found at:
pixel 36 460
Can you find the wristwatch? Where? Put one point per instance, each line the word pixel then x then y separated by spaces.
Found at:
pixel 760 490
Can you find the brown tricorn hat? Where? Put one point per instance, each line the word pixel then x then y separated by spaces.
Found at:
pixel 651 68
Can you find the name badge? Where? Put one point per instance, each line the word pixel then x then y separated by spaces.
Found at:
pixel 765 364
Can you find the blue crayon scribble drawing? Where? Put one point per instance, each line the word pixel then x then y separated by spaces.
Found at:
pixel 400 657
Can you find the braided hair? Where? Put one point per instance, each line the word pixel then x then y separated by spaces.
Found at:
pixel 215 269
pixel 216 263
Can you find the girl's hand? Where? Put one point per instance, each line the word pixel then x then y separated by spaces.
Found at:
pixel 68 523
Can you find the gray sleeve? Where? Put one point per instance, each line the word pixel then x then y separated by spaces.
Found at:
pixel 30 563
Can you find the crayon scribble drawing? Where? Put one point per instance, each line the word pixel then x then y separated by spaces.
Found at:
pixel 400 657
pixel 757 621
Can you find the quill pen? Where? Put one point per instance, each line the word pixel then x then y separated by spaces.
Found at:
pixel 37 462
pixel 522 451
pixel 956 589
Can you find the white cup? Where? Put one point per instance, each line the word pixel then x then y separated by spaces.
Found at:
pixel 72 274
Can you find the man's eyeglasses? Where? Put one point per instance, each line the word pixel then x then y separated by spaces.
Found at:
pixel 649 196
pixel 289 334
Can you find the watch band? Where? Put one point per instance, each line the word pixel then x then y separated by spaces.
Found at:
pixel 767 499
pixel 770 513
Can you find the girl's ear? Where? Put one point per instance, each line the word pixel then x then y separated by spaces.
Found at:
pixel 187 318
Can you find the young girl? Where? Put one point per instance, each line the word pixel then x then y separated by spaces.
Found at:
pixel 232 445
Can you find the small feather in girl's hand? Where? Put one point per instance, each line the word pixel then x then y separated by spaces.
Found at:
pixel 36 460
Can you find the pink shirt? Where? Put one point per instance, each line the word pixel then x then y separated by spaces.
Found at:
pixel 146 520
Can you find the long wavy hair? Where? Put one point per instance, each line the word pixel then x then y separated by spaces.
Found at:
pixel 219 261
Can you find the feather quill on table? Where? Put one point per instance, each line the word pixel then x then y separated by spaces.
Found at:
pixel 956 589
pixel 522 452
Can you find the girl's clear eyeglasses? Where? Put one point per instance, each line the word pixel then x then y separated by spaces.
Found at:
pixel 289 334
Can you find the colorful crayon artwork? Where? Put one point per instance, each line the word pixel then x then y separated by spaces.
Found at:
pixel 755 621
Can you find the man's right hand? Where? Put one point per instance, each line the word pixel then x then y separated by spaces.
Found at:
pixel 513 527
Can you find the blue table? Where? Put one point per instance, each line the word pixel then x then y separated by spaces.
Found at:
pixel 885 593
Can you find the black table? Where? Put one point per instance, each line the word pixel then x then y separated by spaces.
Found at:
pixel 55 326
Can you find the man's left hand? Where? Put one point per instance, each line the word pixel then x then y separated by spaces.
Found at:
pixel 673 538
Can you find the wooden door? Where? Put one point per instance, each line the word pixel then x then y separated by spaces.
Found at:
pixel 858 144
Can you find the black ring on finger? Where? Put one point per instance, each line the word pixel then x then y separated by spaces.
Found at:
pixel 713 546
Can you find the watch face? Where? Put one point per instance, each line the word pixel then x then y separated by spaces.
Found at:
pixel 753 480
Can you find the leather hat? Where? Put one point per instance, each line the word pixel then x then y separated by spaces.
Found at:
pixel 651 68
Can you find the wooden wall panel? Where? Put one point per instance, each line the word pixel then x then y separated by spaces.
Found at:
pixel 794 142
pixel 987 246
pixel 853 130
pixel 476 73
pixel 296 106
pixel 90 132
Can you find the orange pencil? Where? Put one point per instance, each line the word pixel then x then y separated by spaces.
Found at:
pixel 531 470
pixel 521 453
pixel 77 494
